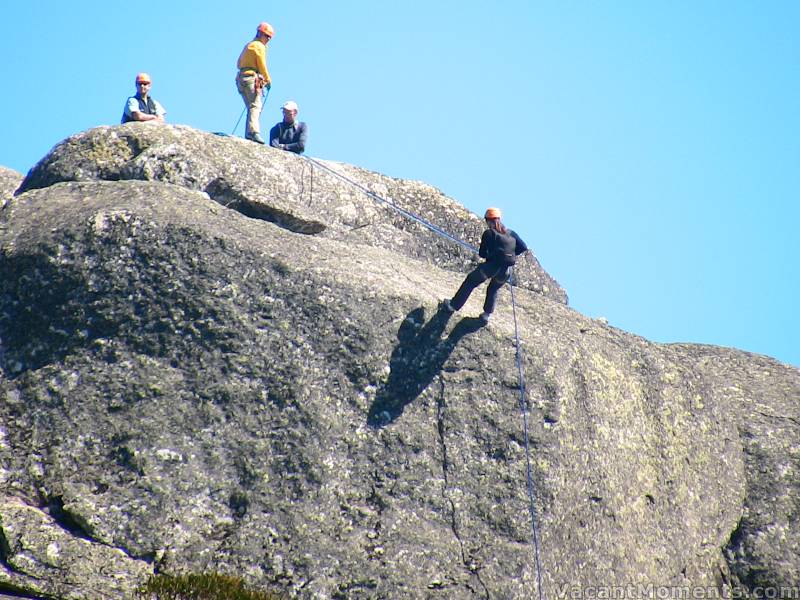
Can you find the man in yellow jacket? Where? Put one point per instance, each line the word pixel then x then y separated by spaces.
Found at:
pixel 253 77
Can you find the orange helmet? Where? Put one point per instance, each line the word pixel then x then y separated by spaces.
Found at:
pixel 266 29
pixel 143 78
pixel 492 213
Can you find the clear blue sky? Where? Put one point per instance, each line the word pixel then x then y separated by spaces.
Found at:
pixel 649 152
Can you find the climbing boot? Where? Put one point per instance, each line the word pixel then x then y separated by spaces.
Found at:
pixel 256 137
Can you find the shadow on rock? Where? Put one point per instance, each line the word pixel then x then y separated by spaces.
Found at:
pixel 419 356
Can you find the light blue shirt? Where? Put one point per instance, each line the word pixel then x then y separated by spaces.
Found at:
pixel 133 106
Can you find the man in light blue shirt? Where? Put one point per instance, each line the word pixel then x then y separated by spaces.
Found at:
pixel 142 107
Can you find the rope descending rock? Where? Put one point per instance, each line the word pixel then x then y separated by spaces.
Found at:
pixel 521 374
pixel 524 409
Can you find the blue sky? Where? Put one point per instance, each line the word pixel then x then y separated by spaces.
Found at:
pixel 648 152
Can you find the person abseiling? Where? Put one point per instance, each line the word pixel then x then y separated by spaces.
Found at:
pixel 253 77
pixel 142 107
pixel 500 247
pixel 290 134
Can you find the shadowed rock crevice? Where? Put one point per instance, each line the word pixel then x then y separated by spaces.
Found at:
pixel 72 523
pixel 5 549
pixel 471 565
pixel 13 591
pixel 746 574
pixel 225 193
pixel 42 559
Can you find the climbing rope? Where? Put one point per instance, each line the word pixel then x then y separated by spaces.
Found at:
pixel 524 409
pixel 302 192
pixel 393 206
pixel 238 121
pixel 520 371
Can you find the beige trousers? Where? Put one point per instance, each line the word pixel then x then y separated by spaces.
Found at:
pixel 252 100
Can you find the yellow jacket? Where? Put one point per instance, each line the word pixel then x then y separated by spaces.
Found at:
pixel 254 57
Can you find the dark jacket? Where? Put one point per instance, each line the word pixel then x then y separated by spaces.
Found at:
pixel 289 137
pixel 501 248
pixel 148 108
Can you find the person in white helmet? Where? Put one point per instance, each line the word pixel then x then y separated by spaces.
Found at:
pixel 253 77
pixel 290 134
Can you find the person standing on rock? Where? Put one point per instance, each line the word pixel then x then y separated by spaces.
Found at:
pixel 253 77
pixel 500 247
pixel 142 107
pixel 290 134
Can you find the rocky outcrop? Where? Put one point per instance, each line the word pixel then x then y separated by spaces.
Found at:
pixel 764 550
pixel 10 180
pixel 46 558
pixel 183 387
pixel 298 194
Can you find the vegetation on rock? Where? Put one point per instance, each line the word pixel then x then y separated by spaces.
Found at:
pixel 200 586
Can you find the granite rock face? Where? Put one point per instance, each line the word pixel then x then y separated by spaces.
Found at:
pixel 183 387
pixel 50 560
pixel 297 193
pixel 10 180
pixel 764 550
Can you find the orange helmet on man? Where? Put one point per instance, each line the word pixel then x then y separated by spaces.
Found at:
pixel 143 78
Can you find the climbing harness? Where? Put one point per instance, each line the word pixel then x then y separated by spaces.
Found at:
pixel 520 371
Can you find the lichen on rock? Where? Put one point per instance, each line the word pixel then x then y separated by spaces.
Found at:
pixel 185 388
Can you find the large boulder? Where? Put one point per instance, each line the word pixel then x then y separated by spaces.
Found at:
pixel 764 549
pixel 300 194
pixel 199 390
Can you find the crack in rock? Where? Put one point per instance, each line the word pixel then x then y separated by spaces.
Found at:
pixel 472 567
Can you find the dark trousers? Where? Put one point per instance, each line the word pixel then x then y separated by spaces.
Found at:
pixel 484 271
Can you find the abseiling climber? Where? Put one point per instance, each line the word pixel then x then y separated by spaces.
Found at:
pixel 500 247
pixel 142 107
pixel 253 77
